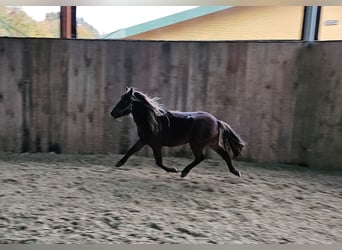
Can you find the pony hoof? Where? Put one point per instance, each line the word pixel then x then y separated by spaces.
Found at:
pixel 183 174
pixel 173 170
pixel 237 173
pixel 119 164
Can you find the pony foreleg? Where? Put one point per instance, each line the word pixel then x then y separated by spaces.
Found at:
pixel 137 146
pixel 159 160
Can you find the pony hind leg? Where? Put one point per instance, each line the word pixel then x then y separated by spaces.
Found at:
pixel 226 157
pixel 199 157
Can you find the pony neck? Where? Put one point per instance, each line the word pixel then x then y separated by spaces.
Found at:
pixel 144 118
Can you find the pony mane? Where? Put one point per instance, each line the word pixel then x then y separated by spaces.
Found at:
pixel 155 110
pixel 151 103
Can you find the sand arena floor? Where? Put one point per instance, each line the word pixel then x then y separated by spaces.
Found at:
pixel 48 198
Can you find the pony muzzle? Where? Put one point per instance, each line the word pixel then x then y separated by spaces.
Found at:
pixel 118 113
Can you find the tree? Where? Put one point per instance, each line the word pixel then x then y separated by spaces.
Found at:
pixel 14 22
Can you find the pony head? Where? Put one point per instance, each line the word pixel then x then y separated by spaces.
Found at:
pixel 125 105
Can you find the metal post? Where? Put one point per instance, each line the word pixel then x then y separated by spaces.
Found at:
pixel 311 23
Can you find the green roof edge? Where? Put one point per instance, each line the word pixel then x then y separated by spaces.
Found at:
pixel 164 21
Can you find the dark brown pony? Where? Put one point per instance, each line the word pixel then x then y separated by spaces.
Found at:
pixel 159 127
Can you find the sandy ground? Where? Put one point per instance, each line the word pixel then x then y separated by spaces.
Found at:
pixel 48 198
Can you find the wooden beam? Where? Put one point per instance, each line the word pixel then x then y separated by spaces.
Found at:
pixel 68 22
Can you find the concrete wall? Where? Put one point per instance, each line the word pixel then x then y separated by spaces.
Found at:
pixel 317 130
pixel 284 99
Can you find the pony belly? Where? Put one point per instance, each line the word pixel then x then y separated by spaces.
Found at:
pixel 175 140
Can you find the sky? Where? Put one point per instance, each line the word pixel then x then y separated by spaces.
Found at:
pixel 107 19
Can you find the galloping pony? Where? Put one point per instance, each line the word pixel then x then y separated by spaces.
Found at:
pixel 158 127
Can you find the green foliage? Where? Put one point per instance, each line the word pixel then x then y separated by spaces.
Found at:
pixel 14 22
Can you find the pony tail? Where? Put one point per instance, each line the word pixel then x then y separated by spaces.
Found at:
pixel 230 140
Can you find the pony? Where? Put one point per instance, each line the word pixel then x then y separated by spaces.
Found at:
pixel 158 127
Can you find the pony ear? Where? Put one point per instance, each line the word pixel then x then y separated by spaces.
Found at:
pixel 129 90
pixel 138 96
